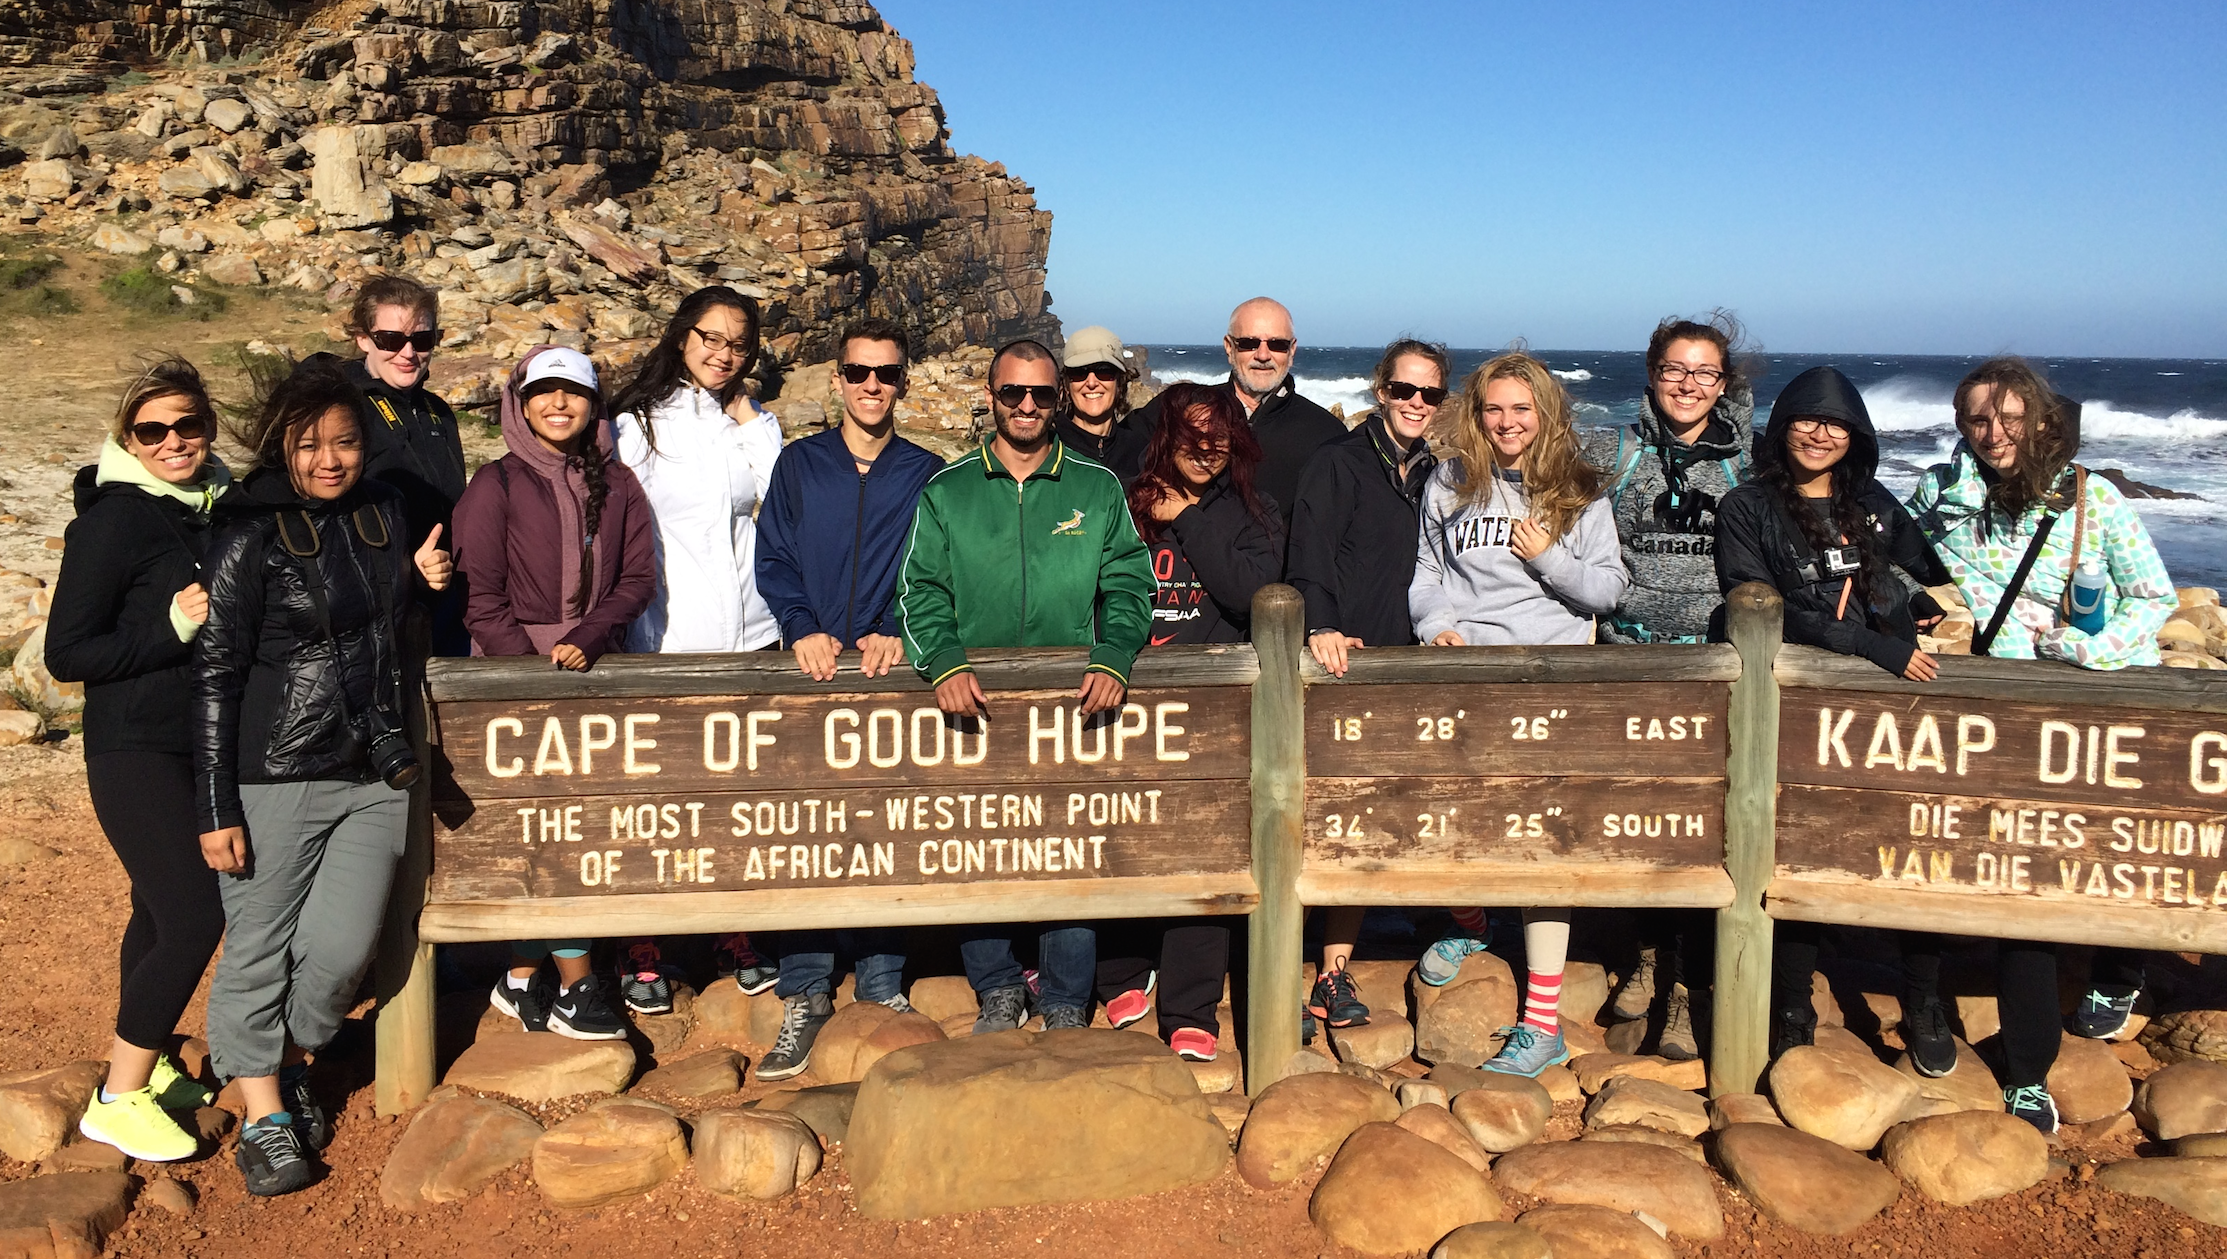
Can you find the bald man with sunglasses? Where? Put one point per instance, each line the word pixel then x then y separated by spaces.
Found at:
pixel 1261 346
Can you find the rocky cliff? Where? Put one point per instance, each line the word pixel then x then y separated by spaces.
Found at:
pixel 563 170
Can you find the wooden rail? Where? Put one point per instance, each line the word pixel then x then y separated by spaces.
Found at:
pixel 686 794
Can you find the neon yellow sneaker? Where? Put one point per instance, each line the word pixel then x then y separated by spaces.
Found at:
pixel 174 1089
pixel 137 1124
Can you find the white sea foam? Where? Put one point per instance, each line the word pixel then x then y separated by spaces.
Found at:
pixel 1575 373
pixel 1351 392
pixel 1911 404
pixel 2100 421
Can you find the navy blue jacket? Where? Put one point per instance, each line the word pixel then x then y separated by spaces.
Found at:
pixel 830 541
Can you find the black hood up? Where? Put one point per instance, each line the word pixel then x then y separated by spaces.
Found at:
pixel 1825 394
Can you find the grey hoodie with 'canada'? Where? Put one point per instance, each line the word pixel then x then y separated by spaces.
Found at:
pixel 1671 557
pixel 1467 579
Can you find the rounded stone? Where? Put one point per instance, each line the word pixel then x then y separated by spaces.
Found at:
pixel 1594 1071
pixel 1391 1192
pixel 2195 1187
pixel 543 1066
pixel 1384 1040
pixel 1970 1085
pixel 1641 1135
pixel 1435 1123
pixel 1967 1157
pixel 1503 1112
pixel 1731 1108
pixel 1802 1181
pixel 754 1154
pixel 1840 1093
pixel 1493 1240
pixel 453 1146
pixel 2088 1082
pixel 612 1150
pixel 1461 1022
pixel 2185 1098
pixel 1575 1231
pixel 1624 1176
pixel 1301 1118
pixel 1649 1104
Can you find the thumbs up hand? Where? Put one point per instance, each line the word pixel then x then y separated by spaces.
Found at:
pixel 433 563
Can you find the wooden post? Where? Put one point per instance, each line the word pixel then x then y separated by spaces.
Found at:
pixel 1279 813
pixel 1740 1048
pixel 403 1056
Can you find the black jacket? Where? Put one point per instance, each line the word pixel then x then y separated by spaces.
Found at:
pixel 1122 448
pixel 267 685
pixel 1207 564
pixel 1289 428
pixel 124 558
pixel 410 443
pixel 1354 533
pixel 1758 540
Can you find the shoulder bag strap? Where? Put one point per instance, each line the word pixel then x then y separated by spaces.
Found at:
pixel 2079 535
pixel 1986 639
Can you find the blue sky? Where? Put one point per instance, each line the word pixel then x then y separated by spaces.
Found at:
pixel 1899 178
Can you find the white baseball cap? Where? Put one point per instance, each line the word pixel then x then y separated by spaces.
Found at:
pixel 559 364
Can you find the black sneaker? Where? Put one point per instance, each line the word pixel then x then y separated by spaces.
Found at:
pixel 2104 1012
pixel 1306 1027
pixel 1925 1031
pixel 1336 1002
pixel 530 1005
pixel 310 1119
pixel 1791 1028
pixel 271 1158
pixel 2034 1105
pixel 642 982
pixel 1003 1009
pixel 802 1017
pixel 751 970
pixel 581 1013
pixel 1064 1016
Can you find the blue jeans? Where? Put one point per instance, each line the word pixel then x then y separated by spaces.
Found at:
pixel 808 962
pixel 1066 965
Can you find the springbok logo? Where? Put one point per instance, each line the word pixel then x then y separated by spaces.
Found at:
pixel 1071 527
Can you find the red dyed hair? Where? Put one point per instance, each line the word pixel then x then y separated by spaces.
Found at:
pixel 1195 417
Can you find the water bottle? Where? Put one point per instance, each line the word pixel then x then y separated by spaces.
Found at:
pixel 2085 604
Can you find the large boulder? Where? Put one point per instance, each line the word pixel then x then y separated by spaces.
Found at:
pixel 39 1109
pixel 2185 1098
pixel 1387 1038
pixel 2187 1034
pixel 454 1145
pixel 614 1149
pixel 1650 1104
pixel 862 1034
pixel 31 679
pixel 1435 1123
pixel 825 1109
pixel 1493 1240
pixel 1503 1112
pixel 754 1153
pixel 1802 1181
pixel 1389 1191
pixel 1970 1085
pixel 712 1073
pixel 68 1215
pixel 1301 1118
pixel 1967 1157
pixel 1620 1175
pixel 543 1066
pixel 1838 1091
pixel 1594 1232
pixel 2195 1187
pixel 2088 1082
pixel 1461 1022
pixel 343 179
pixel 1020 1118
pixel 942 997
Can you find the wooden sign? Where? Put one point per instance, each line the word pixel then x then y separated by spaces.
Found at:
pixel 1559 794
pixel 2057 822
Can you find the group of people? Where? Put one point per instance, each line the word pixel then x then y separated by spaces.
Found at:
pixel 247 641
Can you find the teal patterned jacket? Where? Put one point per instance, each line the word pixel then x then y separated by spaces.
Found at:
pixel 1950 506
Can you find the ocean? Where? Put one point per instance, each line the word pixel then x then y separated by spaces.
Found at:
pixel 2162 422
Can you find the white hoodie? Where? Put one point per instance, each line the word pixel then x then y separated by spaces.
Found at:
pixel 704 481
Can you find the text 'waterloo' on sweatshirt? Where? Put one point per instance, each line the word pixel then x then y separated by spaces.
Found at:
pixel 1469 580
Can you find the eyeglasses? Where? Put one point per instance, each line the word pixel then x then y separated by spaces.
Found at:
pixel 1276 345
pixel 714 343
pixel 1401 391
pixel 1675 373
pixel 2012 425
pixel 150 434
pixel 1046 396
pixel 1810 428
pixel 891 374
pixel 1107 372
pixel 392 342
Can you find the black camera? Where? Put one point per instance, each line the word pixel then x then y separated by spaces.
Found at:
pixel 387 749
pixel 1843 561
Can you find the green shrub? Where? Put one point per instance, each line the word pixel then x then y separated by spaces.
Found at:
pixel 23 273
pixel 149 292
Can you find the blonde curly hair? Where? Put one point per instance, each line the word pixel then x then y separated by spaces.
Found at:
pixel 1557 481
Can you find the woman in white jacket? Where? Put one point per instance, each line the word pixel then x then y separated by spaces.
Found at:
pixel 704 452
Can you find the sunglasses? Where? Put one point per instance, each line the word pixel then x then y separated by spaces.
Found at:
pixel 1276 345
pixel 888 373
pixel 150 434
pixel 392 342
pixel 1401 391
pixel 1102 371
pixel 1046 396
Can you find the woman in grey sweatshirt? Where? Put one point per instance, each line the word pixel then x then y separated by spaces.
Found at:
pixel 1518 548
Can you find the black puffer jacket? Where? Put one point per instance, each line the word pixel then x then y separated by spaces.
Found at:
pixel 125 557
pixel 1759 540
pixel 267 686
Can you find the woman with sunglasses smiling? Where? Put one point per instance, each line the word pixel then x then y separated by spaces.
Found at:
pixel 127 607
pixel 1094 421
pixel 410 442
pixel 703 451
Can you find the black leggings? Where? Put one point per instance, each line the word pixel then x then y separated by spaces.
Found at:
pixel 144 801
pixel 1194 960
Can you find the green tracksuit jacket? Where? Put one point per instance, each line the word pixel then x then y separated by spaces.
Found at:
pixel 1054 562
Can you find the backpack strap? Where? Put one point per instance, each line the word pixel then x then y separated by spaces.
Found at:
pixel 1627 466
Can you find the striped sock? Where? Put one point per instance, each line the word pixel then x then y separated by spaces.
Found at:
pixel 1542 1001
pixel 1470 920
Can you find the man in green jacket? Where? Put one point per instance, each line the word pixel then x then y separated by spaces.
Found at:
pixel 1024 543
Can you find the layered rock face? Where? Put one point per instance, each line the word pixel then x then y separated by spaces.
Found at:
pixel 515 152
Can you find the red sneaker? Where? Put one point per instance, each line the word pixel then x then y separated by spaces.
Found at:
pixel 1192 1044
pixel 1133 1004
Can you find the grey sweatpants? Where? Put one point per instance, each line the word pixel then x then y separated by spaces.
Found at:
pixel 301 925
